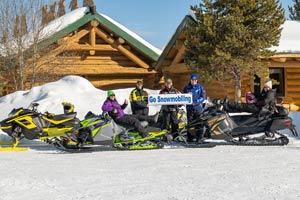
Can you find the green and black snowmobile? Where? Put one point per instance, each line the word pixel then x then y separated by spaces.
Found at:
pixel 97 130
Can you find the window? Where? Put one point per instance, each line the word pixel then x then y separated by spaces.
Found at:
pixel 277 74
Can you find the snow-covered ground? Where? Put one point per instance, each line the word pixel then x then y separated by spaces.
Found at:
pixel 223 172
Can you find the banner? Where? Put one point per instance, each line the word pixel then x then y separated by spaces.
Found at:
pixel 170 99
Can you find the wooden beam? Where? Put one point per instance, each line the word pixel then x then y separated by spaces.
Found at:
pixel 122 49
pixel 179 44
pixel 121 40
pixel 179 56
pixel 62 46
pixel 77 36
pixel 92 40
pixel 176 69
pixel 86 62
pixel 98 58
pixel 87 47
pixel 297 59
pixel 103 70
pixel 277 59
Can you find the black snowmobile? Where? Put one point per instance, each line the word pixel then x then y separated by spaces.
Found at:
pixel 240 129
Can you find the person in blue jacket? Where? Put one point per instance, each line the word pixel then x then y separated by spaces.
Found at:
pixel 194 110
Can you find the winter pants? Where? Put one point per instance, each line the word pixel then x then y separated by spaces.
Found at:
pixel 170 118
pixel 133 120
pixel 193 114
pixel 147 118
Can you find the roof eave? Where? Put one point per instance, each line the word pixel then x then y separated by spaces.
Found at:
pixel 89 17
pixel 173 39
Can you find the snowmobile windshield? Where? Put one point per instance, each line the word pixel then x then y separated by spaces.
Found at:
pixel 14 112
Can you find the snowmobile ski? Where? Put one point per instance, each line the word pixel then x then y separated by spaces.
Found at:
pixel 13 146
pixel 140 143
pixel 262 141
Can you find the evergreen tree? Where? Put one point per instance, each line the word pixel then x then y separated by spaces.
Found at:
pixel 295 10
pixel 61 8
pixel 73 5
pixel 230 36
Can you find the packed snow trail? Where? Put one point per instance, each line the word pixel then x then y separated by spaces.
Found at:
pixel 223 172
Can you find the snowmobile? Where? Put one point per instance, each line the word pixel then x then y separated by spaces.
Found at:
pixel 102 130
pixel 31 124
pixel 240 129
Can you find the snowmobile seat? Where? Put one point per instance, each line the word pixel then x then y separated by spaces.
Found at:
pixel 64 116
pixel 128 127
pixel 245 119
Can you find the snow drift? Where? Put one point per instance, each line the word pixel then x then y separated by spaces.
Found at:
pixel 74 89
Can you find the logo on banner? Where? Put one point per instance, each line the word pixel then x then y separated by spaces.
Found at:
pixel 170 99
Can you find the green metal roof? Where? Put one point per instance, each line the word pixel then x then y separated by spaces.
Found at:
pixel 173 39
pixel 108 24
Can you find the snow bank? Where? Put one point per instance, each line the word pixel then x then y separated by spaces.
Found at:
pixel 73 89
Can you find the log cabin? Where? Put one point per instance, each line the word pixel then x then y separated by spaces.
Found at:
pixel 94 46
pixel 284 66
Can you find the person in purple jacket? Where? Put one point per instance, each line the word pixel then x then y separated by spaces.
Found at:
pixel 115 110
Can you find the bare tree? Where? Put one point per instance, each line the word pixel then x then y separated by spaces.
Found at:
pixel 88 3
pixel 73 5
pixel 61 8
pixel 52 11
pixel 20 53
pixel 45 15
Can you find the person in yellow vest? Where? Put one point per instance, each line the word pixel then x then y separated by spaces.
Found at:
pixel 139 100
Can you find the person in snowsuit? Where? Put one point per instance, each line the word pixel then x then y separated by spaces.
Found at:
pixel 265 102
pixel 115 110
pixel 170 111
pixel 199 95
pixel 139 100
pixel 194 88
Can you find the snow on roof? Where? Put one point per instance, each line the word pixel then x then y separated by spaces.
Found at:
pixel 290 38
pixel 64 21
pixel 134 35
pixel 49 29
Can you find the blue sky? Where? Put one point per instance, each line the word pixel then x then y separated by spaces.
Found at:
pixel 153 20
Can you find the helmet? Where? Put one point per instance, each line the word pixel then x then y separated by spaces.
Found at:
pixel 110 93
pixel 194 76
pixel 68 107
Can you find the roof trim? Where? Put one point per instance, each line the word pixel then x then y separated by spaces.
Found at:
pixel 173 39
pixel 89 17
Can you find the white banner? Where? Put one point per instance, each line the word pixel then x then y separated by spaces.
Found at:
pixel 170 99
